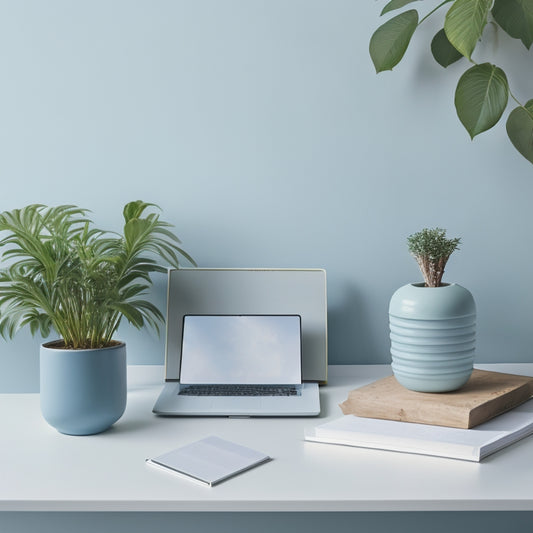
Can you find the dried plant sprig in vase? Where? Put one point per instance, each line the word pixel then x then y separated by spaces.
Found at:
pixel 432 249
pixel 432 332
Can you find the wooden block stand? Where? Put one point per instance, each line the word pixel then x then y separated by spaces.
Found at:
pixel 486 395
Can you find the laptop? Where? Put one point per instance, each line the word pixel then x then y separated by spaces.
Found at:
pixel 240 365
pixel 250 291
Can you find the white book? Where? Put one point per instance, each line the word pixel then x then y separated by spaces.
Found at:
pixel 209 461
pixel 467 444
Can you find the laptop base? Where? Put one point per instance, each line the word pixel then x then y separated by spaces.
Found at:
pixel 170 403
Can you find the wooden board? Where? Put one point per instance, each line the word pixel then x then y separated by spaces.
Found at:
pixel 486 395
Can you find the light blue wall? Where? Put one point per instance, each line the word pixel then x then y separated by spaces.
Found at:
pixel 261 129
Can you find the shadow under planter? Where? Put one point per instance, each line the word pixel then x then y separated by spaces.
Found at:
pixel 432 331
pixel 83 392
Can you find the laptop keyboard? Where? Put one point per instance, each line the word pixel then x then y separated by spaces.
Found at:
pixel 240 390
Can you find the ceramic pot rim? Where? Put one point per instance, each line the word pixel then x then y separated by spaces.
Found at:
pixel 49 345
pixel 422 285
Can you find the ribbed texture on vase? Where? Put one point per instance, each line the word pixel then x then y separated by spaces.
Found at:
pixel 432 355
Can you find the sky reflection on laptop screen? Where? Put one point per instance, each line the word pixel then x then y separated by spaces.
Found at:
pixel 241 349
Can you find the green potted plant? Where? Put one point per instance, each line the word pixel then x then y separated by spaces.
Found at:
pixel 63 274
pixel 432 324
pixel 483 90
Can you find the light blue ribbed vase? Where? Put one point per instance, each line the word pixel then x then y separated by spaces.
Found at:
pixel 83 392
pixel 432 332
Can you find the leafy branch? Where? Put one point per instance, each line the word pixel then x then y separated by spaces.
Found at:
pixel 482 91
pixel 65 274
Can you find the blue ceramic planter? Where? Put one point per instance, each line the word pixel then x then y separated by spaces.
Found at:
pixel 432 332
pixel 83 391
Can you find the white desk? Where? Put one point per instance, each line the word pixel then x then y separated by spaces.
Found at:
pixel 42 470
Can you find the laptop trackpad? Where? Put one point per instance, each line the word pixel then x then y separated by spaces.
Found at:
pixel 236 403
pixel 195 403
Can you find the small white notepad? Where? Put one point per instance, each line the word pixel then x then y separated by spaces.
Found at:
pixel 210 460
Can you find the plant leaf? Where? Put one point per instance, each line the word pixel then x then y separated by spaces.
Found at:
pixel 481 97
pixel 443 51
pixel 135 209
pixel 131 312
pixel 520 129
pixel 395 4
pixel 464 24
pixel 64 273
pixel 516 18
pixel 390 40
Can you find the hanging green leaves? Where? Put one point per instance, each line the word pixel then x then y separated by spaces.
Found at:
pixel 482 92
pixel 465 22
pixel 395 4
pixel 390 41
pixel 520 129
pixel 481 97
pixel 443 51
pixel 516 18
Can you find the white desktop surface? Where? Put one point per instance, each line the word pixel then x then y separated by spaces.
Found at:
pixel 42 470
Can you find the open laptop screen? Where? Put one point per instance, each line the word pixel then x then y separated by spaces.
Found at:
pixel 241 349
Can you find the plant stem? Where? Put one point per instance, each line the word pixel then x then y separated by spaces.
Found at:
pixel 432 270
pixel 433 11
pixel 514 98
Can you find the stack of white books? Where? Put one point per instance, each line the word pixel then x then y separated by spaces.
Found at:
pixel 467 444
